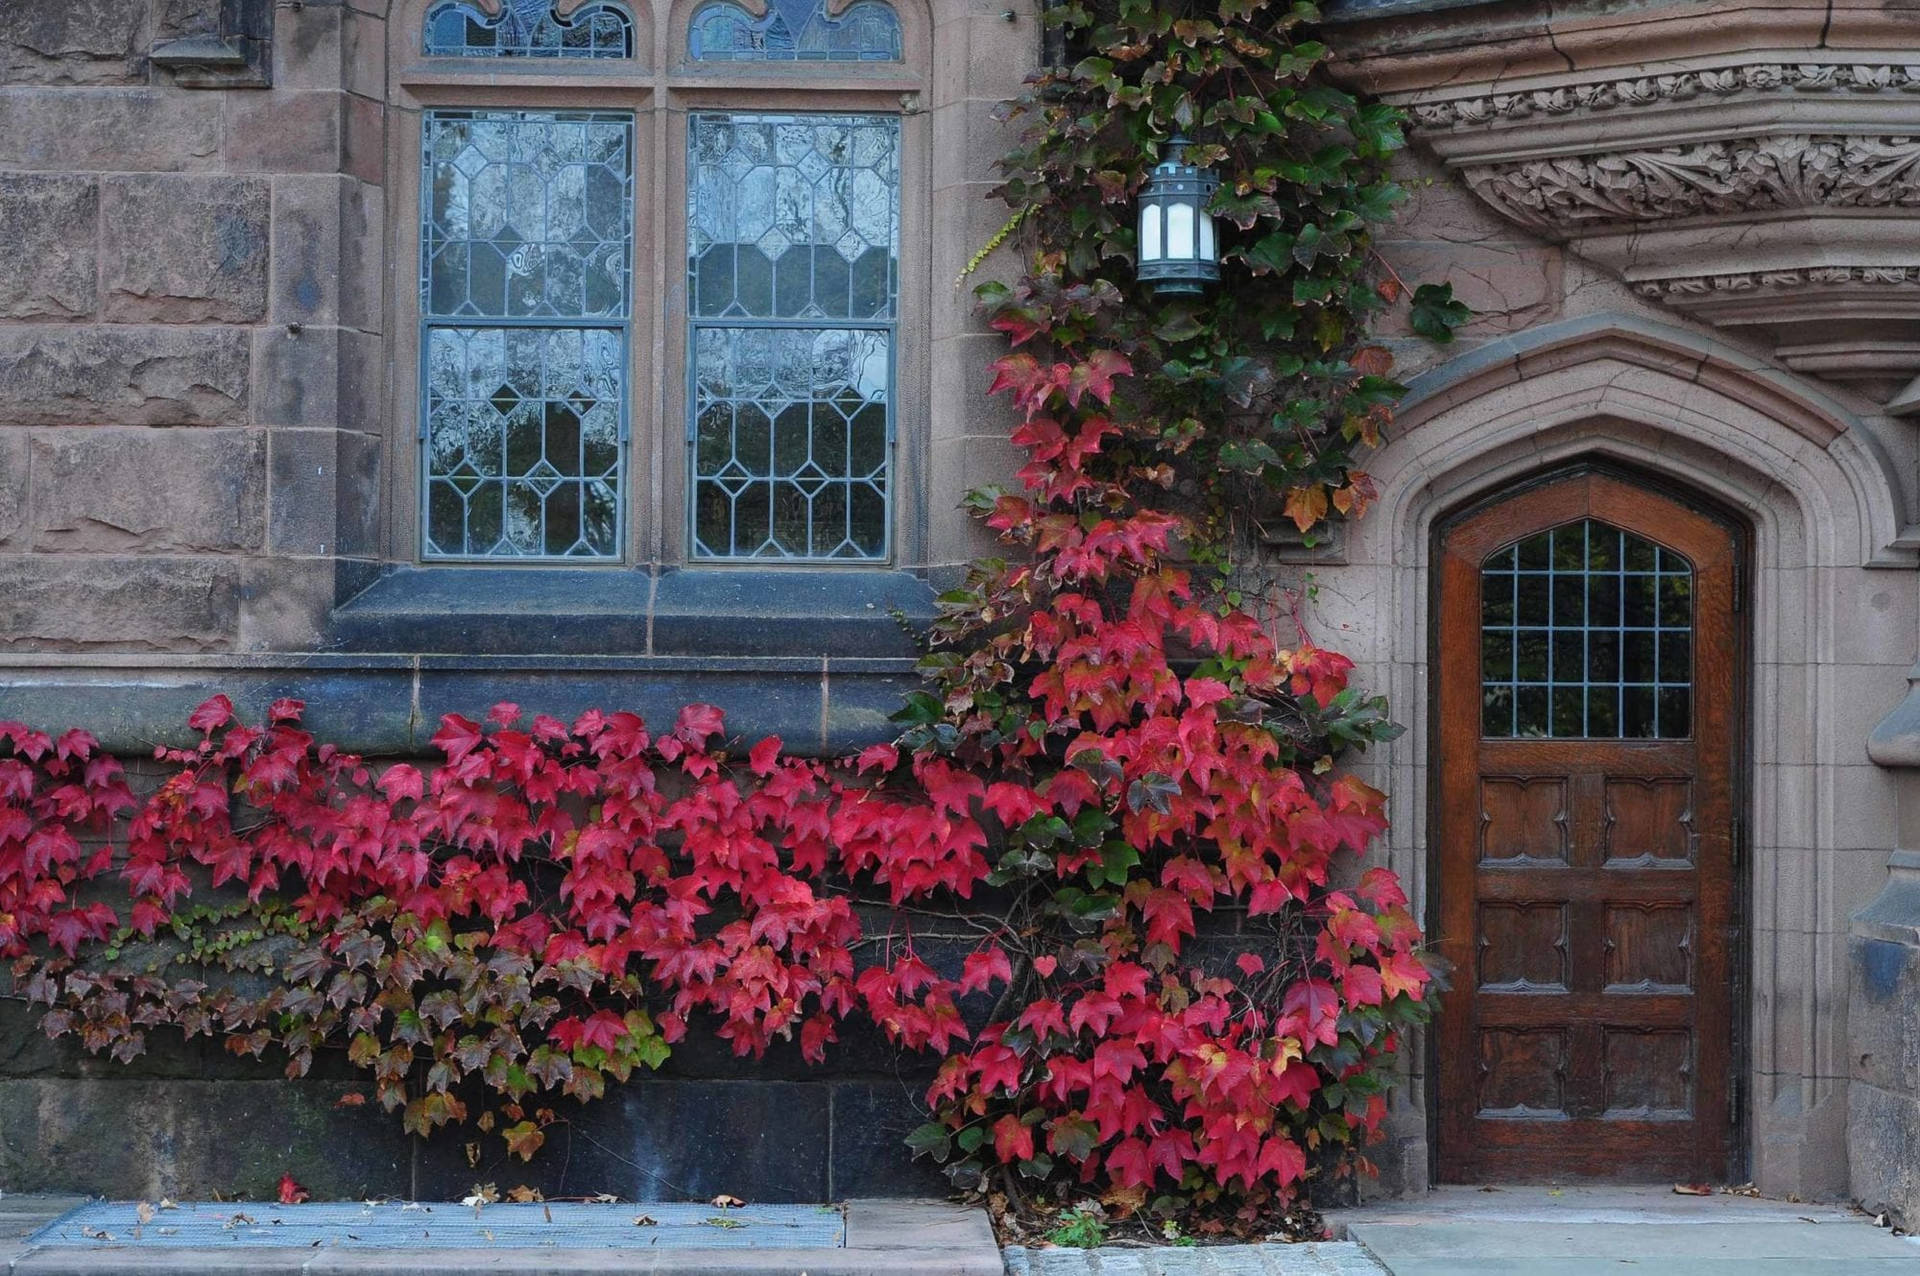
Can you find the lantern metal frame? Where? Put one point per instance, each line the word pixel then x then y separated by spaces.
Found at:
pixel 1173 213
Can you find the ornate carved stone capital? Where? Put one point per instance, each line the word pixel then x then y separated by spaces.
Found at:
pixel 1756 165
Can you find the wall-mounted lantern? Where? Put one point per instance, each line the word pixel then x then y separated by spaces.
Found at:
pixel 1177 251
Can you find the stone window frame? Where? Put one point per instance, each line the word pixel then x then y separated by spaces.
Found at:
pixel 660 85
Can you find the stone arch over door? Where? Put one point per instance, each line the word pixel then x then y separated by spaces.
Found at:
pixel 1831 636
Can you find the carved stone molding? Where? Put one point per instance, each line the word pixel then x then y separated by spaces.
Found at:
pixel 1755 165
pixel 1728 177
pixel 1677 86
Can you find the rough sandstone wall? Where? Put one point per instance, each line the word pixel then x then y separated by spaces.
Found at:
pixel 189 326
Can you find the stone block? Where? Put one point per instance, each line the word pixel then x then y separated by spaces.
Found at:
pixel 282 131
pixel 168 604
pixel 184 249
pixel 13 488
pixel 364 55
pixel 74 42
pixel 357 494
pixel 135 490
pixel 131 130
pixel 871 1121
pixel 326 251
pixel 304 479
pixel 1883 1151
pixel 307 47
pixel 363 141
pixel 58 374
pixel 48 224
pixel 284 603
pixel 297 375
pixel 190 1139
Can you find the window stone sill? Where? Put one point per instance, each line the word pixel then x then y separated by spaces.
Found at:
pixel 815 657
pixel 583 611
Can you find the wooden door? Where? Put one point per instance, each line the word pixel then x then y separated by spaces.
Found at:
pixel 1587 710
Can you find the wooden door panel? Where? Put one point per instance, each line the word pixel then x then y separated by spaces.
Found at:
pixel 1588 660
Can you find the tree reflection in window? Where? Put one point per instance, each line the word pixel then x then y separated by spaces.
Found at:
pixel 794 31
pixel 793 262
pixel 528 29
pixel 526 304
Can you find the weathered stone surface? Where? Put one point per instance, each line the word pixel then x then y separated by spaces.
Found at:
pixel 108 130
pixel 68 375
pixel 282 132
pixel 296 375
pixel 149 490
pixel 1507 286
pixel 327 251
pixel 158 603
pixel 13 488
pixel 184 249
pixel 48 225
pixel 146 1140
pixel 73 42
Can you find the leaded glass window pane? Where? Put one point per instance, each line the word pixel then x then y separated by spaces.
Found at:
pixel 528 29
pixel 525 294
pixel 1586 631
pixel 793 262
pixel 794 31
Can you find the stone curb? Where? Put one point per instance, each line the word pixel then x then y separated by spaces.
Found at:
pixel 1311 1258
pixel 883 1238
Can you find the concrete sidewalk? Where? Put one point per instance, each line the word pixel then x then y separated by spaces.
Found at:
pixel 44 1236
pixel 1579 1231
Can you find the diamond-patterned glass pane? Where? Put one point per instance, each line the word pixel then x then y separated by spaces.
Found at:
pixel 523 458
pixel 790 455
pixel 793 252
pixel 528 29
pixel 1586 631
pixel 528 214
pixel 795 31
pixel 794 216
pixel 525 295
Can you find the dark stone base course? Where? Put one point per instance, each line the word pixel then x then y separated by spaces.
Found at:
pixel 654 1139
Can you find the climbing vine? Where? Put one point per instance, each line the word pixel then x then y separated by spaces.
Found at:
pixel 1187 991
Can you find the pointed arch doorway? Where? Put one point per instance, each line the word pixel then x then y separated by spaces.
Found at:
pixel 1588 707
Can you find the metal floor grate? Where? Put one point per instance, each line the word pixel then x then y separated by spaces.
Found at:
pixel 409 1225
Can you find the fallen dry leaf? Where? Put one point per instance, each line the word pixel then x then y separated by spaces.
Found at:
pixel 1692 1189
pixel 291 1193
pixel 524 1195
pixel 353 1099
pixel 604 1198
pixel 725 1202
pixel 645 1220
pixel 144 1212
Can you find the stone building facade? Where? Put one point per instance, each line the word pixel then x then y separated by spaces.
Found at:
pixel 245 243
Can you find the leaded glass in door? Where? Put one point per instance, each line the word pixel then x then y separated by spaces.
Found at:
pixel 1586 632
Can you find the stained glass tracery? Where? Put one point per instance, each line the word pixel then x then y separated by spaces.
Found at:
pixel 795 31
pixel 793 247
pixel 525 295
pixel 528 29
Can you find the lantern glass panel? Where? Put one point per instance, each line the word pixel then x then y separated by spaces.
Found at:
pixel 1180 230
pixel 1207 252
pixel 1150 239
